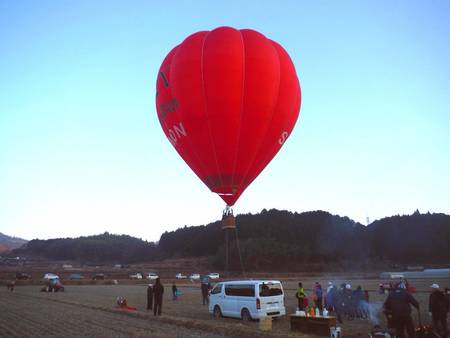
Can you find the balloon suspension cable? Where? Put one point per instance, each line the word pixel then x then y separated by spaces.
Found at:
pixel 228 211
pixel 229 223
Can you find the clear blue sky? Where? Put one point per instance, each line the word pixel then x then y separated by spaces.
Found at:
pixel 82 151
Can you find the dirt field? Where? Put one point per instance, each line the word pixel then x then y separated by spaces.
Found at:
pixel 89 310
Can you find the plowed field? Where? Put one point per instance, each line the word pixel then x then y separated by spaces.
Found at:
pixel 90 310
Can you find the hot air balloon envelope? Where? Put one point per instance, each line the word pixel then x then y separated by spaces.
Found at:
pixel 227 100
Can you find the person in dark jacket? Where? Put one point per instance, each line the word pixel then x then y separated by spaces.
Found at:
pixel 339 302
pixel 330 297
pixel 174 291
pixel 318 296
pixel 158 292
pixel 150 297
pixel 205 287
pixel 438 310
pixel 349 302
pixel 359 302
pixel 397 306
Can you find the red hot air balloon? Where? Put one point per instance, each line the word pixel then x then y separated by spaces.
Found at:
pixel 227 100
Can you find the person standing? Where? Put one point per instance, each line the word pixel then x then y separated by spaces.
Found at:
pixel 205 287
pixel 359 302
pixel 174 291
pixel 339 302
pixel 318 295
pixel 330 297
pixel 438 310
pixel 300 295
pixel 397 305
pixel 150 297
pixel 158 292
pixel 10 285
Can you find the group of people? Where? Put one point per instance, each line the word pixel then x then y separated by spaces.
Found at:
pixel 346 302
pixel 155 297
pixel 155 294
pixel 397 309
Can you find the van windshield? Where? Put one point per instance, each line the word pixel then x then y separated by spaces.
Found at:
pixel 270 289
pixel 217 289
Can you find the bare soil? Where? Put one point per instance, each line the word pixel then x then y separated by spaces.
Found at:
pixel 90 310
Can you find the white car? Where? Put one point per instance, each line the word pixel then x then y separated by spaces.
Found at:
pixel 247 299
pixel 194 276
pixel 50 276
pixel 179 275
pixel 151 275
pixel 136 276
pixel 214 275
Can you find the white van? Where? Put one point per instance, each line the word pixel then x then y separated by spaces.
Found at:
pixel 247 299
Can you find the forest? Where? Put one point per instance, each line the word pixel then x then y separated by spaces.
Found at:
pixel 277 240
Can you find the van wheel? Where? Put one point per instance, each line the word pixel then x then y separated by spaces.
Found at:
pixel 217 313
pixel 245 315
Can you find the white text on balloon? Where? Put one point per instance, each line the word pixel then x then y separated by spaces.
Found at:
pixel 283 137
pixel 175 133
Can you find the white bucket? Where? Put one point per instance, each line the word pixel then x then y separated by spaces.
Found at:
pixel 335 332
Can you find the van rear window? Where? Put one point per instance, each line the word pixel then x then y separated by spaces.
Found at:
pixel 244 290
pixel 270 289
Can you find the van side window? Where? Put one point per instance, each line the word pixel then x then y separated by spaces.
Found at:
pixel 243 290
pixel 217 289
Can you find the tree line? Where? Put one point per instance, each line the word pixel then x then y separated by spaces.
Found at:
pixel 103 248
pixel 274 240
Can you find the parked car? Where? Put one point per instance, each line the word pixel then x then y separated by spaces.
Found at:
pixel 151 275
pixel 247 299
pixel 194 276
pixel 22 276
pixel 50 275
pixel 98 276
pixel 76 276
pixel 179 275
pixel 214 275
pixel 136 276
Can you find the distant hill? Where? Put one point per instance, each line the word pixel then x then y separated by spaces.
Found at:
pixel 286 241
pixel 99 248
pixel 421 238
pixel 8 243
pixel 275 240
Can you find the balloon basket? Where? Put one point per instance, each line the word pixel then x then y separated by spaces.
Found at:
pixel 228 222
